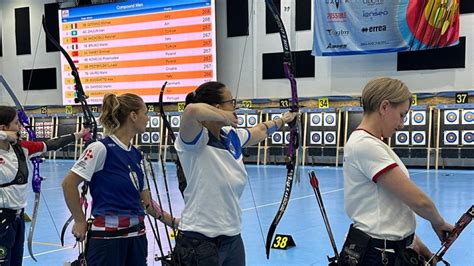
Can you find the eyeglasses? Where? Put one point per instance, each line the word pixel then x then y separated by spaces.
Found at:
pixel 233 101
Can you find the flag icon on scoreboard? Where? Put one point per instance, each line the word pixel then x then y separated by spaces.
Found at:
pixel 74 26
pixel 74 32
pixel 75 53
pixel 74 39
pixel 75 46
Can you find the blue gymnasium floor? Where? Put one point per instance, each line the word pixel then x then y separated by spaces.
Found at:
pixel 451 190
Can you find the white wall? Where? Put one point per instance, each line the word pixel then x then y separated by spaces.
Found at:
pixel 11 65
pixel 343 75
pixel 334 75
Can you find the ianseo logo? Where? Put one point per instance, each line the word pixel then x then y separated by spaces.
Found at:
pixel 333 32
pixel 378 28
pixel 336 46
pixel 374 13
pixel 373 2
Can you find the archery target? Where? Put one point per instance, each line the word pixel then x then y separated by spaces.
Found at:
pixel 155 121
pixel 402 138
pixel 468 137
pixel 451 117
pixel 148 124
pixel 146 137
pixel 467 117
pixel 252 120
pixel 287 137
pixel 316 119
pixel 277 137
pixel 155 137
pixel 315 137
pixel 176 134
pixel 406 121
pixel 418 138
pixel 330 137
pixel 275 116
pixel 100 135
pixel 97 120
pixel 418 118
pixel 240 120
pixel 451 137
pixel 329 119
pixel 175 120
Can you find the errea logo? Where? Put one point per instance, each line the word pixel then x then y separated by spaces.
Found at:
pixel 378 28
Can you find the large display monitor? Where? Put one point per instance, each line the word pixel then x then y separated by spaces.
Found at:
pixel 135 46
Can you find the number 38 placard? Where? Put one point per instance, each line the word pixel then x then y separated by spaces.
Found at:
pixel 283 242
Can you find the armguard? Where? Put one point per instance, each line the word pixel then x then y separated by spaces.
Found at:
pixel 54 144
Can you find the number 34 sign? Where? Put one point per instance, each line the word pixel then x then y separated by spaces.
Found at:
pixel 283 242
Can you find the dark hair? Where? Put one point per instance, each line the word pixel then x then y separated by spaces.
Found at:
pixel 8 114
pixel 209 92
pixel 115 110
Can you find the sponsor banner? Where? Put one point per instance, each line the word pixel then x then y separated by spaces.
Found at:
pixel 347 27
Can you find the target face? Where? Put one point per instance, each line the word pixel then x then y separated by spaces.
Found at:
pixel 451 117
pixel 287 137
pixel 275 116
pixel 240 120
pixel 315 138
pixel 451 137
pixel 418 138
pixel 100 135
pixel 315 119
pixel 175 120
pixel 407 119
pixel 468 137
pixel 146 137
pixel 252 120
pixel 418 118
pixel 155 137
pixel 467 117
pixel 155 121
pixel 402 138
pixel 97 120
pixel 277 138
pixel 329 137
pixel 329 119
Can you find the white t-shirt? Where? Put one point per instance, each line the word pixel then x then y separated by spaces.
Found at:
pixel 216 177
pixel 14 196
pixel 373 209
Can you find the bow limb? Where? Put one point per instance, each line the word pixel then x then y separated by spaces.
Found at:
pixel 36 179
pixel 81 97
pixel 295 127
pixel 179 169
pixel 89 118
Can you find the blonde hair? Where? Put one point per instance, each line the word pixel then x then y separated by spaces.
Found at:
pixel 379 89
pixel 115 110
